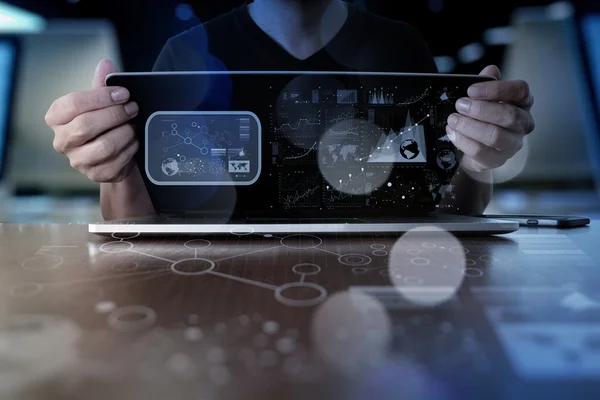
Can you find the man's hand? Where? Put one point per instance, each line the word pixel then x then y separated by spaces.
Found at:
pixel 92 129
pixel 491 122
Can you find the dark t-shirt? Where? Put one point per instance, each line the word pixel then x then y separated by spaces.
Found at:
pixel 234 42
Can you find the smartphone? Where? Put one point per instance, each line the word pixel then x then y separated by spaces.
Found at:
pixel 556 221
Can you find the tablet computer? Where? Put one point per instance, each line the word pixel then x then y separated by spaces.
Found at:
pixel 295 144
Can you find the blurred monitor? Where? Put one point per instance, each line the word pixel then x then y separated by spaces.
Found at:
pixel 8 61
pixel 59 60
pixel 588 24
pixel 558 154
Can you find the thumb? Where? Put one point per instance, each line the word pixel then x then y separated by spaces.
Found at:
pixel 104 68
pixel 491 70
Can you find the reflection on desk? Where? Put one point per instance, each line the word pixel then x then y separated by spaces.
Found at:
pixel 300 316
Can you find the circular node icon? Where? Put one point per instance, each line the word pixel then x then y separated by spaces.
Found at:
pixel 380 253
pixel 204 151
pixel 242 231
pixel 187 140
pixel 174 126
pixel 420 261
pixel 131 319
pixel 174 132
pixel 192 266
pixel 42 263
pixel 473 272
pixel 124 235
pixel 197 244
pixel 204 129
pixel 385 272
pixel 459 250
pixel 470 262
pixel 378 246
pixel 354 260
pixel 428 245
pixel 116 247
pixel 413 252
pixel 187 130
pixel 182 158
pixel 194 124
pixel 306 269
pixel 165 149
pixel 301 241
pixel 359 270
pixel 486 258
pixel 124 266
pixel 300 294
pixel 25 289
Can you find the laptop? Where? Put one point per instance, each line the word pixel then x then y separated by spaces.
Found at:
pixel 296 152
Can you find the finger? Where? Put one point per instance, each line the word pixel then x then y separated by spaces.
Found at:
pixel 103 149
pixel 484 155
pixel 471 165
pixel 87 126
pixel 491 70
pixel 515 92
pixel 489 135
pixel 103 69
pixel 502 114
pixel 68 107
pixel 116 170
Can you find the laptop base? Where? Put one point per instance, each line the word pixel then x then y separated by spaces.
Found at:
pixel 192 225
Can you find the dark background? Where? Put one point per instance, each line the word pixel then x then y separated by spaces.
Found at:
pixel 144 25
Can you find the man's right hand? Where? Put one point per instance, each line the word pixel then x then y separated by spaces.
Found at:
pixel 92 128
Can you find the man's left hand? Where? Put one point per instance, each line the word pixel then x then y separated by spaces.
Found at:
pixel 491 123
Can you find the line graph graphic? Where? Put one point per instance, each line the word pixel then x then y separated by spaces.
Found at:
pixel 299 189
pixel 414 99
pixel 344 116
pixel 295 150
pixel 306 153
pixel 351 130
pixel 297 197
pixel 301 124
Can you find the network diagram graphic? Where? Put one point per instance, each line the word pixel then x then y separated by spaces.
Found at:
pixel 203 148
pixel 359 263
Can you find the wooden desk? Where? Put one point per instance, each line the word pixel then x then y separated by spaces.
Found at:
pixel 255 317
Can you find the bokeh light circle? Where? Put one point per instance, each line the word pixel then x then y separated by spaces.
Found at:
pixel 347 167
pixel 351 332
pixel 436 281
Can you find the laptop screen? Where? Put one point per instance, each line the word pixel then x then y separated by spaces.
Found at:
pixel 7 66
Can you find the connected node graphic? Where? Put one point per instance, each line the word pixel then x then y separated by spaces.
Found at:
pixel 203 148
pixel 410 265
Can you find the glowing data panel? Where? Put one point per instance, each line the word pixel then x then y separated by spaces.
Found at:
pixel 203 148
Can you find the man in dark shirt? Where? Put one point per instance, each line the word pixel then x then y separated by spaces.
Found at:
pixel 92 127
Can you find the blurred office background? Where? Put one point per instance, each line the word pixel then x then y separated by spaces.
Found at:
pixel 49 48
